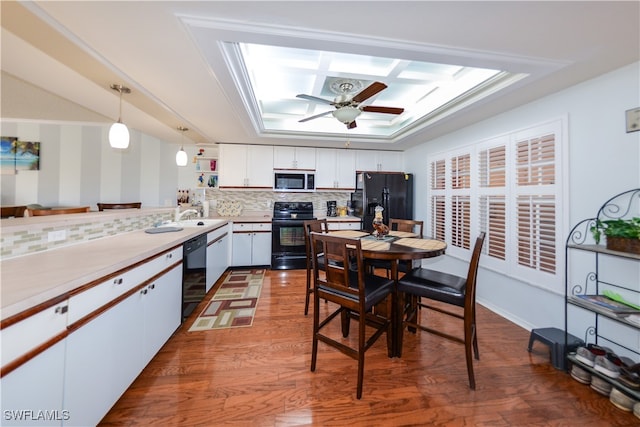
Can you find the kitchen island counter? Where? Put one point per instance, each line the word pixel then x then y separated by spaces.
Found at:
pixel 33 279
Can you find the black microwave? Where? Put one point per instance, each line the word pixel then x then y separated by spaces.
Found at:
pixel 294 181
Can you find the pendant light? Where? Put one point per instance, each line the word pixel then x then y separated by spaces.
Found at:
pixel 118 133
pixel 181 156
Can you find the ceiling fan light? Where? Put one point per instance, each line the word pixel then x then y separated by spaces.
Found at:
pixel 119 135
pixel 346 114
pixel 181 157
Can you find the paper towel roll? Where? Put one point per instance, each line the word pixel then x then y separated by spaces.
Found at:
pixel 205 209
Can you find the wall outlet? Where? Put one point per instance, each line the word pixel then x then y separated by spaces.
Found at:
pixel 56 236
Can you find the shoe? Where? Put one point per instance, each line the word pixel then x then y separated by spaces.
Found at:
pixel 611 364
pixel 630 376
pixel 606 367
pixel 601 386
pixel 621 400
pixel 584 355
pixel 580 375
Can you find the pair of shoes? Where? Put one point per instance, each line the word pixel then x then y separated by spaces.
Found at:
pixel 630 376
pixel 601 386
pixel 611 364
pixel 587 354
pixel 580 375
pixel 621 400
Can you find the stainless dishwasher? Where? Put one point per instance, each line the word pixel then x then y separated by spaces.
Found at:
pixel 194 273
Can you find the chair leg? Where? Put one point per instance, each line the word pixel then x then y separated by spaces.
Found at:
pixel 345 319
pixel 306 303
pixel 361 348
pixel 316 325
pixel 469 339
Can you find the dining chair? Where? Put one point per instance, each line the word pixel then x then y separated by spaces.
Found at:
pixel 430 285
pixel 57 211
pixel 319 226
pixel 355 293
pixel 406 225
pixel 131 205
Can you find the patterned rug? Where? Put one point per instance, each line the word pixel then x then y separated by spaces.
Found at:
pixel 234 302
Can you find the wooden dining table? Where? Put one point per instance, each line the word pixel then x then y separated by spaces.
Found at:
pixel 396 247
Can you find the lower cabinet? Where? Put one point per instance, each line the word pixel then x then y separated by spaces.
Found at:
pixel 32 395
pixel 105 355
pixel 251 244
pixel 217 254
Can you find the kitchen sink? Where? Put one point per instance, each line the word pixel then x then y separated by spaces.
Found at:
pixel 201 222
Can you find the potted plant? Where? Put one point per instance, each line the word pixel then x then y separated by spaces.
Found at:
pixel 622 234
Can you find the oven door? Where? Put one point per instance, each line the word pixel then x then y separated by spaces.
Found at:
pixel 288 250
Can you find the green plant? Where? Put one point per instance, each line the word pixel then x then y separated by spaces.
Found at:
pixel 625 228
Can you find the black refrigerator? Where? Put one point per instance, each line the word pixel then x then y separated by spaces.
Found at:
pixel 391 190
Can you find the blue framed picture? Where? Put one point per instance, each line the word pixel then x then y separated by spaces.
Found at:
pixel 18 155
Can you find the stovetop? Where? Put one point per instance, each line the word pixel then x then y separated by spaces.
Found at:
pixel 293 210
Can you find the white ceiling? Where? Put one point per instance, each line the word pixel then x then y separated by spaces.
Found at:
pixel 172 56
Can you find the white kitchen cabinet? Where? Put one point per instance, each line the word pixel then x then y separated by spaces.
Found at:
pixel 336 169
pixel 217 254
pixel 36 385
pixel 246 166
pixel 251 244
pixel 379 161
pixel 106 354
pixel 294 158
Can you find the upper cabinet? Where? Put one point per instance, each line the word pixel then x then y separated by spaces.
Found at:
pixel 294 158
pixel 336 169
pixel 246 166
pixel 379 161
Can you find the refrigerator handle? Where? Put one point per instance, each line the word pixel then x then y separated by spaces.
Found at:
pixel 385 205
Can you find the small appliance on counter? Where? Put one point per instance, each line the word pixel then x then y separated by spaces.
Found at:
pixel 332 208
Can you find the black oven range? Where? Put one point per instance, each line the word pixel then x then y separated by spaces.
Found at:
pixel 288 250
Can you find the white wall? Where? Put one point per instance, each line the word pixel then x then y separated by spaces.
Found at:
pixel 604 160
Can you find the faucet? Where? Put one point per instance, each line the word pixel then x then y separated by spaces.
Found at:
pixel 185 213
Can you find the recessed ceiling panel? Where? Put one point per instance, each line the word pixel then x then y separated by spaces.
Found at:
pixel 333 80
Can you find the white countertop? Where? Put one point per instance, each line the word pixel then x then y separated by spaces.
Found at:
pixel 29 280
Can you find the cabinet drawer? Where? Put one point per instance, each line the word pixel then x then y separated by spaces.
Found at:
pixel 217 233
pixel 33 331
pixel 90 300
pixel 251 226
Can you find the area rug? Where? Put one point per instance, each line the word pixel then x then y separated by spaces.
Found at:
pixel 234 303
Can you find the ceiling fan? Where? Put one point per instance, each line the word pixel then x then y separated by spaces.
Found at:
pixel 347 105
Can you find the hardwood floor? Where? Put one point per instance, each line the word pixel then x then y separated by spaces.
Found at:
pixel 260 376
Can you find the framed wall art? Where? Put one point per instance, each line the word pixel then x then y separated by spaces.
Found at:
pixel 633 120
pixel 16 155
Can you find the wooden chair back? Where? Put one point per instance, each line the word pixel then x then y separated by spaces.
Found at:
pixel 337 282
pixel 57 211
pixel 132 205
pixel 407 225
pixel 318 226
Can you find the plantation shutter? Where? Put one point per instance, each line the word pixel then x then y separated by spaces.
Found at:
pixel 536 203
pixel 438 212
pixel 461 201
pixel 492 166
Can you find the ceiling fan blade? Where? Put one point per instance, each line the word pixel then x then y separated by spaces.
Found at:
pixel 369 91
pixel 351 125
pixel 387 110
pixel 306 119
pixel 315 99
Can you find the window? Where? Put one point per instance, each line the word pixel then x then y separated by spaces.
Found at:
pixel 510 188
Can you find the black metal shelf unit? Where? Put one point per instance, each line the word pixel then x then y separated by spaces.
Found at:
pixel 588 272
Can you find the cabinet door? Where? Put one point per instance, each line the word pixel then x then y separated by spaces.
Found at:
pixel 162 311
pixel 261 251
pixel 233 165
pixel 241 248
pixel 346 169
pixel 305 158
pixel 36 385
pixel 390 161
pixel 217 258
pixel 366 160
pixel 326 171
pixel 260 166
pixel 104 356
